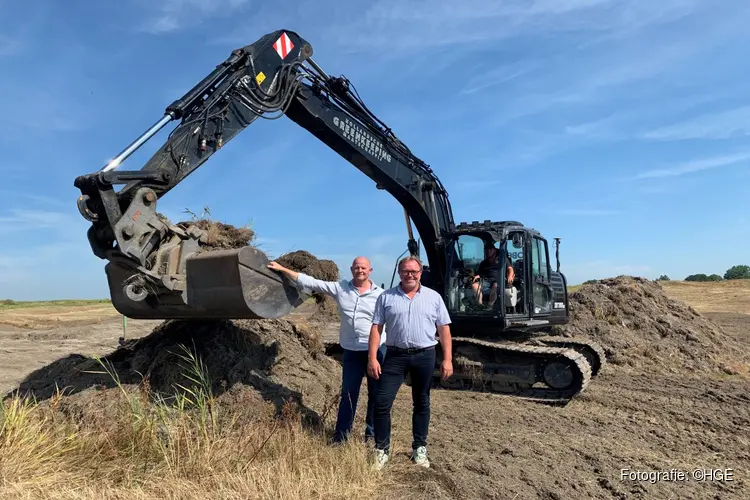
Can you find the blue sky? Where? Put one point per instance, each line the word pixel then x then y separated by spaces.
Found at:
pixel 621 127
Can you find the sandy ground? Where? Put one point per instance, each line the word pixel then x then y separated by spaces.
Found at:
pixel 26 349
pixel 629 420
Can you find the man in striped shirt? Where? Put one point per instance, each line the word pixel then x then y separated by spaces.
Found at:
pixel 356 301
pixel 412 314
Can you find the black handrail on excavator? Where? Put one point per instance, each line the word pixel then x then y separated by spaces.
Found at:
pixel 155 269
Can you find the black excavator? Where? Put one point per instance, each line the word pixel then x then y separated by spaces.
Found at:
pixel 156 270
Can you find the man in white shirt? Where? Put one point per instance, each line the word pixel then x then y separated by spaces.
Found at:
pixel 356 300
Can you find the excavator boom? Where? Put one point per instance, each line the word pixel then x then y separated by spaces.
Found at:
pixel 157 270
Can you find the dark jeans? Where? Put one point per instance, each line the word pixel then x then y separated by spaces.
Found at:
pixel 355 367
pixel 420 367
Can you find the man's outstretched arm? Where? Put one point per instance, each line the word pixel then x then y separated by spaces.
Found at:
pixel 328 287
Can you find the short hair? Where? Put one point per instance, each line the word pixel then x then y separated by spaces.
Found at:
pixel 413 258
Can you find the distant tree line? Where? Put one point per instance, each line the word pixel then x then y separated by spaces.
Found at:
pixel 740 272
pixel 704 277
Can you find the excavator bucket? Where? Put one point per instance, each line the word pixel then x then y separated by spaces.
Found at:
pixel 221 284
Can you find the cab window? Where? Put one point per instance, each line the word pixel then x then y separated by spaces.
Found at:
pixel 539 258
pixel 470 250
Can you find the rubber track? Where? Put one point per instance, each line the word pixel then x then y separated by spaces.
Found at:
pixel 539 394
pixel 561 341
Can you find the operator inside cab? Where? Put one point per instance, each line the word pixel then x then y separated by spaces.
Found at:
pixel 488 274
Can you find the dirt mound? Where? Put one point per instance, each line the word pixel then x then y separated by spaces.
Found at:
pixel 220 236
pixel 639 326
pixel 322 269
pixel 327 310
pixel 277 361
pixel 305 262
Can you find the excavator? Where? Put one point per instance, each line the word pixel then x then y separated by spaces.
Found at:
pixel 157 270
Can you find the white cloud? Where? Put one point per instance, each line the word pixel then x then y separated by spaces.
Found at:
pixel 596 80
pixel 623 123
pixel 416 25
pixel 36 198
pixel 651 49
pixel 173 15
pixel 592 128
pixel 722 125
pixel 694 166
pixel 27 220
pixel 497 76
pixel 638 15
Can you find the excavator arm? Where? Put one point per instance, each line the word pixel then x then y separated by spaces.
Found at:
pixel 157 269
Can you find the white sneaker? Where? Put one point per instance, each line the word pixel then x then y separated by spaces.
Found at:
pixel 381 457
pixel 419 457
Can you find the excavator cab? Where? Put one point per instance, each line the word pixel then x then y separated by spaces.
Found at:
pixel 499 273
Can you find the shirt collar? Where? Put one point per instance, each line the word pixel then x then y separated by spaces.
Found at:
pixel 401 290
pixel 373 286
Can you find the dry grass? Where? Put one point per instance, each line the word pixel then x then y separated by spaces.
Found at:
pixel 731 296
pixel 131 444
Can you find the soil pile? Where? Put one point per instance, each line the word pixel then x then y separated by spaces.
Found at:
pixel 322 269
pixel 275 361
pixel 220 236
pixel 305 262
pixel 639 326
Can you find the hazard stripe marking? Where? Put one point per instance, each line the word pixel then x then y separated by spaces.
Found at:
pixel 283 46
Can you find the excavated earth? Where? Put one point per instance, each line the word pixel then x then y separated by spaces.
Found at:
pixel 641 328
pixel 278 361
pixel 221 236
pixel 326 270
pixel 247 361
pixel 674 398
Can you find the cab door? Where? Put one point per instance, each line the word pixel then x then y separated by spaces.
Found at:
pixel 541 299
pixel 513 250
